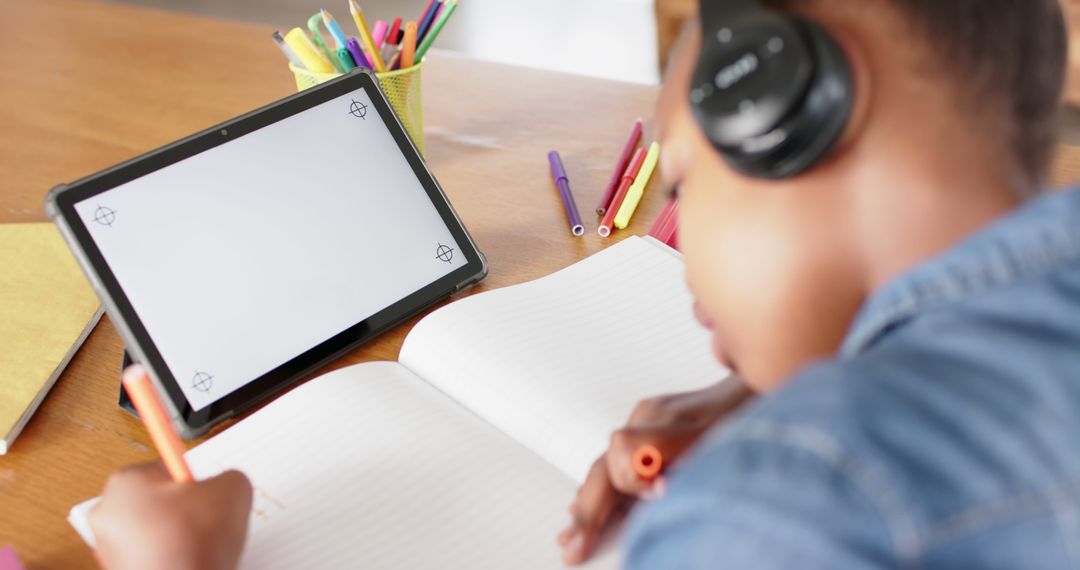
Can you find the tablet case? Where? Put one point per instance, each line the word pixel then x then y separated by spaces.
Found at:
pixel 124 401
pixel 187 430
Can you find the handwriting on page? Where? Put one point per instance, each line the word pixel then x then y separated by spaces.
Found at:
pixel 265 505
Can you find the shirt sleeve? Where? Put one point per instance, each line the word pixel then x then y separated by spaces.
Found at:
pixel 770 496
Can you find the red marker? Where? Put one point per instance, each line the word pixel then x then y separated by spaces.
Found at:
pixel 620 194
pixel 620 167
pixel 392 36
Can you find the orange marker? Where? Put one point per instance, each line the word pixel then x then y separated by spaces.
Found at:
pixel 156 419
pixel 648 463
pixel 408 46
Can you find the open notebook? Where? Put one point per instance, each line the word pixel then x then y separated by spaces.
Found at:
pixel 466 453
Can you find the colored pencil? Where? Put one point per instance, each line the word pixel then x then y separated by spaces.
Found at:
pixel 436 29
pixel 428 18
pixel 374 58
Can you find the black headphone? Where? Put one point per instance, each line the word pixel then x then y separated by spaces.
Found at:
pixel 773 92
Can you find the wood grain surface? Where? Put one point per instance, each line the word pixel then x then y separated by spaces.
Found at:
pixel 84 85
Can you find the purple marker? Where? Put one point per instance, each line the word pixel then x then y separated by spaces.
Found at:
pixel 559 174
pixel 357 53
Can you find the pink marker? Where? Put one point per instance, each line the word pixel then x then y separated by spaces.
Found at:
pixel 664 217
pixel 379 33
pixel 669 232
pixel 9 560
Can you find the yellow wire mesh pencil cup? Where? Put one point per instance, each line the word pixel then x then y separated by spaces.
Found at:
pixel 402 88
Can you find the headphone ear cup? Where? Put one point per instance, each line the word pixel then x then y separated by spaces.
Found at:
pixel 750 73
pixel 800 133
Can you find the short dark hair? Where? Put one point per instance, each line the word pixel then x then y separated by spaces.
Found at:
pixel 1008 57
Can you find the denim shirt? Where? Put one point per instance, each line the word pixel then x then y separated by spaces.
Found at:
pixel 944 434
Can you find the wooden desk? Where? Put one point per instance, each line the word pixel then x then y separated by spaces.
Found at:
pixel 85 85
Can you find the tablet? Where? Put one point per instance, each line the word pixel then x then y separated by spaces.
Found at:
pixel 238 260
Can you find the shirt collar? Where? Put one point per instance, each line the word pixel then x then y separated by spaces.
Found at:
pixel 1041 237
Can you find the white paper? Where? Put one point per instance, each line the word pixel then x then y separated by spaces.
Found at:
pixel 79 519
pixel 368 467
pixel 371 466
pixel 559 363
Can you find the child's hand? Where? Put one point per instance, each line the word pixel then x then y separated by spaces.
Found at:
pixel 671 424
pixel 147 521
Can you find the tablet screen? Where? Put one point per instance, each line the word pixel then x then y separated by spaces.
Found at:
pixel 251 253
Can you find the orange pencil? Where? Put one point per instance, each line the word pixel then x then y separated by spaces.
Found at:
pixel 408 46
pixel 648 463
pixel 156 419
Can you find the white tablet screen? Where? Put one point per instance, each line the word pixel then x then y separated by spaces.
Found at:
pixel 245 256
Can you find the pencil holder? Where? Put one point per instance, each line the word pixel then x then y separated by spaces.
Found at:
pixel 402 88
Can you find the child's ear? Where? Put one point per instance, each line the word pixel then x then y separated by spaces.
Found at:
pixel 862 86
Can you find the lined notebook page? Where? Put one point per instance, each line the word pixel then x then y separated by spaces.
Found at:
pixel 368 467
pixel 560 362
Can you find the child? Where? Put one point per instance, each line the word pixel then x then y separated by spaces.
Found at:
pixel 907 306
pixel 909 309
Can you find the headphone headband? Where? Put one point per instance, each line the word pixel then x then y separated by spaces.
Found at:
pixel 726 10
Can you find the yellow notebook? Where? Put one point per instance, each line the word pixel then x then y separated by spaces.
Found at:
pixel 47 309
